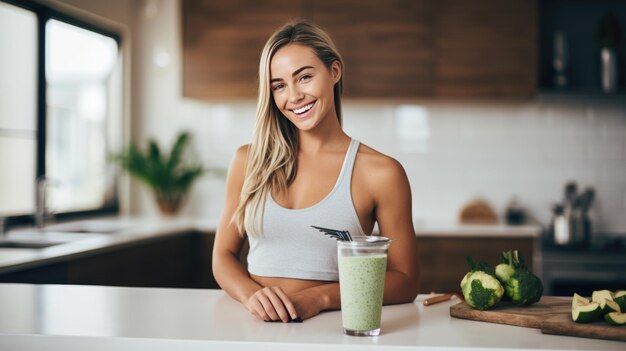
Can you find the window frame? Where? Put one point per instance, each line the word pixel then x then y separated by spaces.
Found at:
pixel 44 13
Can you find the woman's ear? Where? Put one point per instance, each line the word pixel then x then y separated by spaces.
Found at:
pixel 336 70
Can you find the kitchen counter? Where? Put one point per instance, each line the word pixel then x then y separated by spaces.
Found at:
pixel 132 231
pixel 64 317
pixel 444 228
pixel 116 232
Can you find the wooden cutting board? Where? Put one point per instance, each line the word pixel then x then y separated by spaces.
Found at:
pixel 562 324
pixel 551 314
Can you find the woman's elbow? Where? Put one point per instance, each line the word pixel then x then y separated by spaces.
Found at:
pixel 411 290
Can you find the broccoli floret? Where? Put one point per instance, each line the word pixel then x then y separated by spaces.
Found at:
pixel 480 287
pixel 504 271
pixel 524 288
pixel 464 280
pixel 520 285
pixel 482 290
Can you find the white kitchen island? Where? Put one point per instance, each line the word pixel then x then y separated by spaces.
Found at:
pixel 73 317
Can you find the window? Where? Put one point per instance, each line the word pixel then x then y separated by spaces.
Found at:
pixel 60 111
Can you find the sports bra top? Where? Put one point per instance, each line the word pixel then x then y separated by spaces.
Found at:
pixel 301 243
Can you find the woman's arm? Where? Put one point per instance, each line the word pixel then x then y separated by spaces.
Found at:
pixel 395 220
pixel 265 303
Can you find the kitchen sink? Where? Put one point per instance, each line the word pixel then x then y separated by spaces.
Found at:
pixel 99 227
pixel 34 239
pixel 26 244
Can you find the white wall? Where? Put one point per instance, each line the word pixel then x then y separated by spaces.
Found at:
pixel 453 151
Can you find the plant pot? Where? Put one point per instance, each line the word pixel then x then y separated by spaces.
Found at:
pixel 169 206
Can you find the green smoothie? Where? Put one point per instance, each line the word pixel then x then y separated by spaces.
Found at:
pixel 361 283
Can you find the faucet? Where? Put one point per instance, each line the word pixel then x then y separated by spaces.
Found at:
pixel 4 227
pixel 42 213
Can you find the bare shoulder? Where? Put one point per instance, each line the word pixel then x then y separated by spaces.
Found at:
pixel 242 152
pixel 240 158
pixel 237 170
pixel 378 167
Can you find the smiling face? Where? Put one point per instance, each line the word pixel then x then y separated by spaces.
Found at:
pixel 302 86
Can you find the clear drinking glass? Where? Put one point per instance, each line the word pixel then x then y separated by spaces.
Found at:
pixel 362 267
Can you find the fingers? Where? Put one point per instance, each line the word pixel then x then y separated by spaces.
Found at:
pixel 257 309
pixel 291 309
pixel 271 304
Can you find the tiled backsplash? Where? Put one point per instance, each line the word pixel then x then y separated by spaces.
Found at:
pixel 454 152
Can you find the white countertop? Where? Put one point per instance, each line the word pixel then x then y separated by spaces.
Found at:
pixel 73 317
pixel 454 229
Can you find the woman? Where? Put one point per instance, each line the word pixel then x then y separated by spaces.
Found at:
pixel 302 177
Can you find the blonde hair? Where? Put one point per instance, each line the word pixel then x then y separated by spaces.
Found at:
pixel 272 154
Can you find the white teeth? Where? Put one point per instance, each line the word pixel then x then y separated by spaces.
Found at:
pixel 303 109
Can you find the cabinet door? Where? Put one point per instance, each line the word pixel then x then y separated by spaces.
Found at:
pixel 387 46
pixel 486 48
pixel 222 43
pixel 178 261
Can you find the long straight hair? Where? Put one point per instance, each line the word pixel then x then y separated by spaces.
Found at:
pixel 271 162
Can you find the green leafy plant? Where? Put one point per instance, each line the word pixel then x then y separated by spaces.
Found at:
pixel 170 176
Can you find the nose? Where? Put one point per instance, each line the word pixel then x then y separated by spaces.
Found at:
pixel 295 94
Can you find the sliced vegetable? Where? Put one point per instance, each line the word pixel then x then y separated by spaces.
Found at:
pixel 578 300
pixel 586 312
pixel 600 295
pixel 620 298
pixel 615 318
pixel 608 306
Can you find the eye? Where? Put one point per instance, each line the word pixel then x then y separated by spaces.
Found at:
pixel 305 77
pixel 278 87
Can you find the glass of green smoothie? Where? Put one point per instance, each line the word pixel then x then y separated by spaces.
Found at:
pixel 362 267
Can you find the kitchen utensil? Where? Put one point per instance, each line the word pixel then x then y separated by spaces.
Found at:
pixel 587 199
pixel 560 59
pixel 478 212
pixel 441 298
pixel 571 230
pixel 571 191
pixel 551 314
pixel 571 225
pixel 437 299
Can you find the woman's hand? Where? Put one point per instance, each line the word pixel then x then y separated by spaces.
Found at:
pixel 271 304
pixel 307 303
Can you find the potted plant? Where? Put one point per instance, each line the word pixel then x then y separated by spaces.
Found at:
pixel 169 176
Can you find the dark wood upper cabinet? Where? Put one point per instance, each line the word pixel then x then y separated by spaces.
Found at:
pixel 222 43
pixel 392 49
pixel 388 46
pixel 486 48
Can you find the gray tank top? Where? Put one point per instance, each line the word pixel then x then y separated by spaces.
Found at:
pixel 299 243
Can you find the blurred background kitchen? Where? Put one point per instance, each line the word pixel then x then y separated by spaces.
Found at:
pixel 492 106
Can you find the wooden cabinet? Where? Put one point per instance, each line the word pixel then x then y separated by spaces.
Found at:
pixel 179 261
pixel 443 258
pixel 392 49
pixel 486 48
pixel 388 47
pixel 222 43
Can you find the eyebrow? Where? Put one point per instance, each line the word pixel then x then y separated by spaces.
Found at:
pixel 295 73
